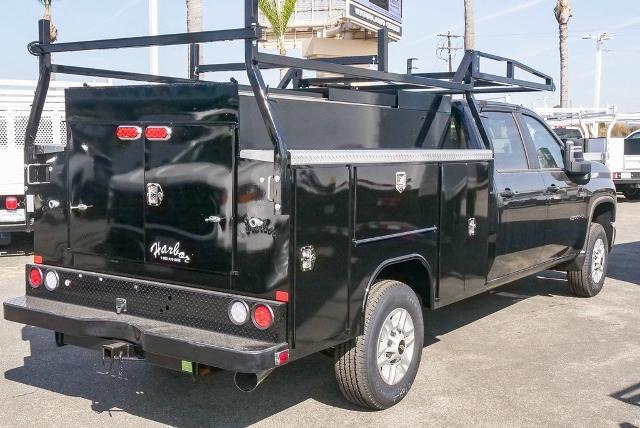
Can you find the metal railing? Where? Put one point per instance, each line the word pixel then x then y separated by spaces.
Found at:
pixel 468 79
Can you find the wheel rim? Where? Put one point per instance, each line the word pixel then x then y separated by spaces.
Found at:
pixel 396 342
pixel 598 258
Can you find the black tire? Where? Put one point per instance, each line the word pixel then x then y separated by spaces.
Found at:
pixel 582 282
pixel 5 240
pixel 356 365
pixel 632 193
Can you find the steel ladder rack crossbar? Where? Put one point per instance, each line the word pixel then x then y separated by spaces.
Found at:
pixel 463 81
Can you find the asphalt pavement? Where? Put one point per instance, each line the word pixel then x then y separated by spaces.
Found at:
pixel 528 354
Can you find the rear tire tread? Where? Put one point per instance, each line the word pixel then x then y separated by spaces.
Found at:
pixel 349 363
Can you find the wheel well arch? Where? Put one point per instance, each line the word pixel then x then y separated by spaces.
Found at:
pixel 603 212
pixel 413 270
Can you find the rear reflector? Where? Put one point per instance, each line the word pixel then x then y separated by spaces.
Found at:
pixel 129 132
pixel 157 133
pixel 37 259
pixel 282 357
pixel 11 203
pixel 35 277
pixel 262 316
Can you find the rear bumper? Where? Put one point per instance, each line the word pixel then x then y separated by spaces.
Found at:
pixel 151 336
pixel 6 227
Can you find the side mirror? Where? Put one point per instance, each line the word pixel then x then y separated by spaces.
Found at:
pixel 574 159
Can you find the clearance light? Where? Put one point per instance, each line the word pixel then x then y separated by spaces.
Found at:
pixel 282 357
pixel 35 277
pixel 157 133
pixel 51 280
pixel 282 296
pixel 238 312
pixel 262 316
pixel 37 259
pixel 128 132
pixel 11 203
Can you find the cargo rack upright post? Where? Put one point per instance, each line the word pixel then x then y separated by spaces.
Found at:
pixel 467 80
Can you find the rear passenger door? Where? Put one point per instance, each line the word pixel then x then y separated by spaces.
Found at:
pixel 521 199
pixel 567 199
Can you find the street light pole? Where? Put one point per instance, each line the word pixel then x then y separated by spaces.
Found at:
pixel 600 38
pixel 154 67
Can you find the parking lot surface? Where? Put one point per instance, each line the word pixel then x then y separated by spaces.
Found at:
pixel 526 354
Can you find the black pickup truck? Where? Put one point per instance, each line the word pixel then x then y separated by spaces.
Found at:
pixel 200 224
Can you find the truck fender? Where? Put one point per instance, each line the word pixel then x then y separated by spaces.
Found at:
pixel 577 263
pixel 389 262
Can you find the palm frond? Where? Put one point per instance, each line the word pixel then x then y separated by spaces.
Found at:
pixel 287 11
pixel 270 10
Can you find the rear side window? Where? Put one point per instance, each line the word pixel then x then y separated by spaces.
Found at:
pixel 506 142
pixel 456 137
pixel 547 147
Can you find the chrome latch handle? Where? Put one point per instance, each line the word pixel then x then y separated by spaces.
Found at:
pixel 81 207
pixel 214 219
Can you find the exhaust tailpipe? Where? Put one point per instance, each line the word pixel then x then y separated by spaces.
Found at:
pixel 247 382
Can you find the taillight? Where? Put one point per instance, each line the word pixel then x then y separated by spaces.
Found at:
pixel 262 316
pixel 11 203
pixel 128 132
pixel 157 133
pixel 35 277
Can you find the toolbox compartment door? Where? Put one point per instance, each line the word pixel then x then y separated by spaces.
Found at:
pixel 188 204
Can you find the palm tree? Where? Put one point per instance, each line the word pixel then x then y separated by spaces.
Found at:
pixel 563 14
pixel 47 16
pixel 278 13
pixel 469 26
pixel 194 19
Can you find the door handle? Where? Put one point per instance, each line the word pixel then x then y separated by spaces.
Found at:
pixel 214 219
pixel 81 207
pixel 507 193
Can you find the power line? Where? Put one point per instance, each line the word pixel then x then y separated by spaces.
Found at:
pixel 446 51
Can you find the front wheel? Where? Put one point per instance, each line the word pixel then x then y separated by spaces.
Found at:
pixel 632 193
pixel 377 369
pixel 588 281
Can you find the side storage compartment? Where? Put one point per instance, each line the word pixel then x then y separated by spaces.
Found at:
pixel 321 224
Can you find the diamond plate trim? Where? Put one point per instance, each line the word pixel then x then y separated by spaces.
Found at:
pixel 353 157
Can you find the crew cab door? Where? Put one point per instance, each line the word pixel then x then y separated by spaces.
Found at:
pixel 566 221
pixel 521 199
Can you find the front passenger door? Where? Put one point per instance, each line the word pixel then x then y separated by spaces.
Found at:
pixel 521 199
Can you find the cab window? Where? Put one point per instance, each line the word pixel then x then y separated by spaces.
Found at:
pixel 506 142
pixel 547 147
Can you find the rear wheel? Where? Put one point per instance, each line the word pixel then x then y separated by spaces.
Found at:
pixel 377 369
pixel 588 281
pixel 5 239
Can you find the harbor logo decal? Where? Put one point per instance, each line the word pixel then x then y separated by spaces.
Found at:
pixel 168 253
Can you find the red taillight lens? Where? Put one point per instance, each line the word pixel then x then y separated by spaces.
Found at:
pixel 11 203
pixel 282 357
pixel 128 132
pixel 35 277
pixel 262 316
pixel 157 133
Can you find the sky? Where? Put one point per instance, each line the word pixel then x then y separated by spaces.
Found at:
pixel 525 30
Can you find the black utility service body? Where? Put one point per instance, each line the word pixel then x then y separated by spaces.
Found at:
pixel 300 199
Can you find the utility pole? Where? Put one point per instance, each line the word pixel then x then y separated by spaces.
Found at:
pixel 154 67
pixel 448 47
pixel 600 38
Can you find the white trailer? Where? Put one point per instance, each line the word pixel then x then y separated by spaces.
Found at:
pixel 16 97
